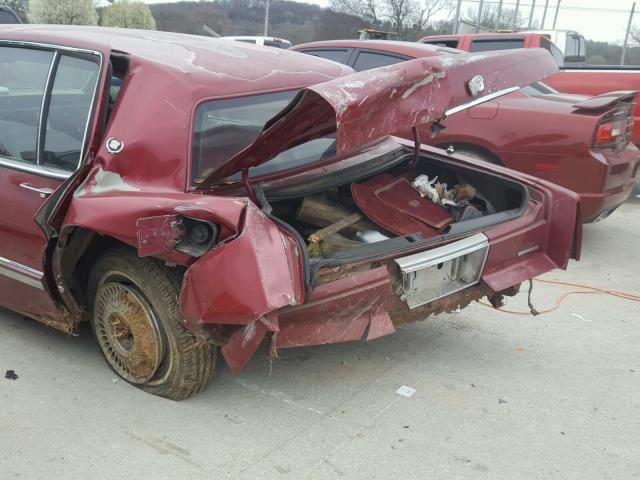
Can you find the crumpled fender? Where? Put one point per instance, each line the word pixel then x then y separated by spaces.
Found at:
pixel 241 281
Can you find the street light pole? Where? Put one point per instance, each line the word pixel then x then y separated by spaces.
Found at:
pixel 555 17
pixel 456 21
pixel 266 19
pixel 515 16
pixel 498 15
pixel 544 15
pixel 533 6
pixel 626 36
pixel 479 16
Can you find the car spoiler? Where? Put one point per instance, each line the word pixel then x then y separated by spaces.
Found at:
pixel 367 106
pixel 606 100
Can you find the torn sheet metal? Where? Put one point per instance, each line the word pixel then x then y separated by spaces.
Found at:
pixel 238 349
pixel 366 106
pixel 339 311
pixel 244 279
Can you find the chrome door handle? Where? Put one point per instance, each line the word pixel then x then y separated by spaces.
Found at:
pixel 44 192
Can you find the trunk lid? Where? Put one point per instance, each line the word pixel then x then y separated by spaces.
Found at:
pixel 367 106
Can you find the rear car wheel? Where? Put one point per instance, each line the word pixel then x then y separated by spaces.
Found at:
pixel 134 316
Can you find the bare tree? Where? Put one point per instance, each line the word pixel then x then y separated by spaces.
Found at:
pixel 491 21
pixel 430 8
pixel 407 17
pixel 368 10
pixel 635 34
pixel 128 14
pixel 63 12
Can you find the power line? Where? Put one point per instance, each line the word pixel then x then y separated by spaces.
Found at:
pixel 564 7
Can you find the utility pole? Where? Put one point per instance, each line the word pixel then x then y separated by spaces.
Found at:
pixel 626 36
pixel 555 18
pixel 266 19
pixel 544 15
pixel 479 16
pixel 498 15
pixel 515 16
pixel 456 21
pixel 533 6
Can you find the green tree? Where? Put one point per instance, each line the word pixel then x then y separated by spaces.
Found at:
pixel 18 6
pixel 128 14
pixel 63 12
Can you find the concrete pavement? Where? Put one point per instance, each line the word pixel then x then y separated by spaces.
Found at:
pixel 497 396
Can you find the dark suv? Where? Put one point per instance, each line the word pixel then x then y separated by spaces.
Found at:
pixel 8 16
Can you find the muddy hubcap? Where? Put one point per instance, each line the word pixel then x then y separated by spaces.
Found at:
pixel 128 332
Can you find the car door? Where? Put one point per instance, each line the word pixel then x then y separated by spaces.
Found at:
pixel 46 100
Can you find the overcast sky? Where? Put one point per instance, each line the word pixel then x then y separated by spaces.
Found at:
pixel 600 20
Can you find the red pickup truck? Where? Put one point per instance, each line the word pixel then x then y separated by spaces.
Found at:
pixel 580 79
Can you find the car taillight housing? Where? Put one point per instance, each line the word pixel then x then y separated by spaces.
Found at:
pixel 614 130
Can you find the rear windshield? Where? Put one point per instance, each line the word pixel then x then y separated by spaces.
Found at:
pixel 487 44
pixel 443 42
pixel 7 17
pixel 223 128
pixel 276 44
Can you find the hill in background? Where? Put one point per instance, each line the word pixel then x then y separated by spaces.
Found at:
pixel 302 22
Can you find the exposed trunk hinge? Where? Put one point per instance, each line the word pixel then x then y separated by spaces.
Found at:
pixel 247 184
pixel 416 146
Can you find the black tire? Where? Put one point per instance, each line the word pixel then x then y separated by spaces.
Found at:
pixel 133 303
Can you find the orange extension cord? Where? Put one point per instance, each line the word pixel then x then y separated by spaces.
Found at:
pixel 589 291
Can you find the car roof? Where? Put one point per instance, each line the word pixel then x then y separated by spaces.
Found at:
pixel 411 49
pixel 254 37
pixel 220 66
pixel 483 35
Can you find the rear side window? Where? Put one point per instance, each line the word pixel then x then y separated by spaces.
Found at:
pixel 245 40
pixel 369 60
pixel 225 127
pixel 63 87
pixel 575 48
pixel 340 55
pixel 23 79
pixel 555 51
pixel 69 108
pixel 488 44
pixel 444 42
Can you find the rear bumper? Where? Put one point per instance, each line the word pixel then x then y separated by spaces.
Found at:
pixel 618 179
pixel 358 300
pixel 603 179
pixel 367 304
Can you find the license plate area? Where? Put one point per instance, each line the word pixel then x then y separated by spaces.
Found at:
pixel 428 276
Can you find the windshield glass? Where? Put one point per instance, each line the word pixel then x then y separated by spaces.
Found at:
pixel 224 128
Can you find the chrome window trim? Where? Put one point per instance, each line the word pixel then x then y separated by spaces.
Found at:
pixel 480 100
pixel 21 273
pixel 37 169
pixel 46 101
pixel 48 172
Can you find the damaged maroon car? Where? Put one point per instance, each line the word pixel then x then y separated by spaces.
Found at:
pixel 183 194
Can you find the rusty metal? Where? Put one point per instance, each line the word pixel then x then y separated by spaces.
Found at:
pixel 128 332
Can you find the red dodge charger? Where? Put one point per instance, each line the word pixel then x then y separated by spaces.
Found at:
pixel 578 142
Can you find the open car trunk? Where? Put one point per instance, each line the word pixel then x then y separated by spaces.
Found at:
pixel 382 213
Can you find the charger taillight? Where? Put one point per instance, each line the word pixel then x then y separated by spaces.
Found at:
pixel 614 130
